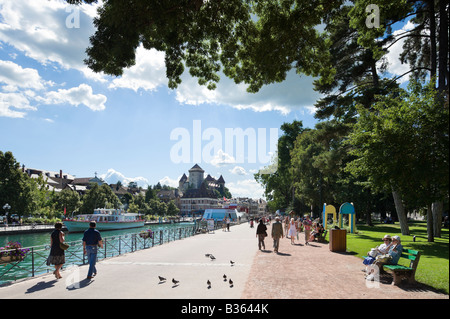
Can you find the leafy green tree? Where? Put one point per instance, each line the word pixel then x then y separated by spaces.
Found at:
pixel 99 197
pixel 256 42
pixel 403 143
pixel 279 185
pixel 149 194
pixel 172 209
pixel 68 199
pixel 16 188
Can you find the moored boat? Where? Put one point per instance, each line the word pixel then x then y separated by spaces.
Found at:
pixel 106 219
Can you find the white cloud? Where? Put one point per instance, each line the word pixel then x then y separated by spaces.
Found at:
pixel 148 73
pixel 75 96
pixel 43 30
pixel 14 100
pixel 14 76
pixel 393 56
pixel 246 188
pixel 295 93
pixel 221 159
pixel 166 180
pixel 38 28
pixel 112 177
pixel 238 170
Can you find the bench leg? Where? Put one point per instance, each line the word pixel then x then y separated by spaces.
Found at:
pixel 397 279
pixel 411 279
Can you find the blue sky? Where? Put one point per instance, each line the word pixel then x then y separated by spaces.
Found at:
pixel 57 114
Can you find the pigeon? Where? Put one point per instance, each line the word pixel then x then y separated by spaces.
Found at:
pixel 175 282
pixel 231 262
pixel 208 283
pixel 207 255
pixel 212 257
pixel 161 278
pixel 230 282
pixel 224 277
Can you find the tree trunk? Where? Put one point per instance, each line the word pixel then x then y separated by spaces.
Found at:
pixel 437 208
pixel 430 224
pixel 400 212
pixel 433 45
pixel 443 81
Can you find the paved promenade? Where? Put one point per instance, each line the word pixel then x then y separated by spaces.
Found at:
pixel 297 271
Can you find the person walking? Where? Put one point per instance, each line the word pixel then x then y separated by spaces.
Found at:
pixel 307 223
pixel 261 233
pixel 292 231
pixel 57 256
pixel 277 233
pixel 91 241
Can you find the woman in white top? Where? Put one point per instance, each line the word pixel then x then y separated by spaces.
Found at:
pixel 292 230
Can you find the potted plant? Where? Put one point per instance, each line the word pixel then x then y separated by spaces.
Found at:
pixel 146 233
pixel 13 251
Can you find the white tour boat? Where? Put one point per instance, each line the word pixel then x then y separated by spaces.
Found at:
pixel 106 219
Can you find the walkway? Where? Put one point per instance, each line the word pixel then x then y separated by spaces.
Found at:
pixel 298 271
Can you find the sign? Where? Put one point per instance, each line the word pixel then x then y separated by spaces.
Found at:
pixel 210 224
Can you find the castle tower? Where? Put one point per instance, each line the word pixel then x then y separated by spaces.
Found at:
pixel 182 183
pixel 196 176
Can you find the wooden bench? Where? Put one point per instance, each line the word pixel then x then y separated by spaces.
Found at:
pixel 400 272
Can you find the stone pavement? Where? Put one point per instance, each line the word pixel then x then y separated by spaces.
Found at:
pixel 296 272
pixel 312 271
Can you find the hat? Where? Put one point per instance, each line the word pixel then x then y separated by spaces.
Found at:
pixel 397 238
pixel 387 237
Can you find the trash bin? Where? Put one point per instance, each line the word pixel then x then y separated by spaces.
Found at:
pixel 338 240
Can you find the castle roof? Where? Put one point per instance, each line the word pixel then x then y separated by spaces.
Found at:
pixel 196 168
pixel 183 178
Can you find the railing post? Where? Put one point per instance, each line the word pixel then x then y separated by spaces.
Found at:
pixel 32 261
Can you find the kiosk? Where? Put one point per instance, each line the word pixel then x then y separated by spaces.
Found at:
pixel 328 209
pixel 348 209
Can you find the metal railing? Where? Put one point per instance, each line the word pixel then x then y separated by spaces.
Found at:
pixel 35 261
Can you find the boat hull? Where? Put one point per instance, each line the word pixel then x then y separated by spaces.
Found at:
pixel 80 226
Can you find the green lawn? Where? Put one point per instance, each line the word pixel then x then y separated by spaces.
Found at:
pixel 433 265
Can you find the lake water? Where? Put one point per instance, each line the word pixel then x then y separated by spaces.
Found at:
pixel 116 242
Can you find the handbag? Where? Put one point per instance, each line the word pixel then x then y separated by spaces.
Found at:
pixel 63 246
pixel 383 258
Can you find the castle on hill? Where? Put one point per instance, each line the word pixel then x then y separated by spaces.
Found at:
pixel 199 193
pixel 196 182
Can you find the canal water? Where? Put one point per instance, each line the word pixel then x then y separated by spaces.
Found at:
pixel 37 239
pixel 116 242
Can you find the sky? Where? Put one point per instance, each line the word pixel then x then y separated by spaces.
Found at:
pixel 56 114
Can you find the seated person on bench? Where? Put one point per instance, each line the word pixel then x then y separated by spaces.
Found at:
pixel 317 232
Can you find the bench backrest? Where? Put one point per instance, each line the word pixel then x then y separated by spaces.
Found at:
pixel 412 255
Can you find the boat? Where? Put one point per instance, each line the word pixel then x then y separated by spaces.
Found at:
pixel 106 219
pixel 218 214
